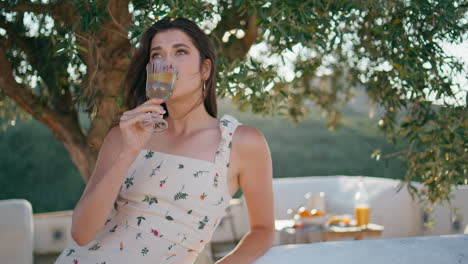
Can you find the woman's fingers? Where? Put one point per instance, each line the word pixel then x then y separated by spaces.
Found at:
pixel 129 120
pixel 153 101
pixel 149 108
pixel 146 108
pixel 143 111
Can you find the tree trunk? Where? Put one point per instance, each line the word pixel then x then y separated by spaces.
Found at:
pixel 107 62
pixel 65 128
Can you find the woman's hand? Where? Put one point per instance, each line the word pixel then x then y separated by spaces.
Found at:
pixel 134 134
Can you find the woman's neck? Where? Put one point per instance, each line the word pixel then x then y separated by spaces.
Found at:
pixel 187 117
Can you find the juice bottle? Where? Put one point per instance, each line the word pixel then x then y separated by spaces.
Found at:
pixel 361 204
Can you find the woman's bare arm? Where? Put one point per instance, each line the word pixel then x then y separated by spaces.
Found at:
pixel 101 191
pixel 255 179
pixel 118 151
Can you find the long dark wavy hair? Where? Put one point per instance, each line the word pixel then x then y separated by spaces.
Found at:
pixel 135 80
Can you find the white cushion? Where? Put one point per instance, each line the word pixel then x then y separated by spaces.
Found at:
pixel 16 231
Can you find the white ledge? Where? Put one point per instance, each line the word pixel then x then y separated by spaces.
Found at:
pixel 427 250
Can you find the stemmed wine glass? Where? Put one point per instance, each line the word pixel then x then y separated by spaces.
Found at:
pixel 160 80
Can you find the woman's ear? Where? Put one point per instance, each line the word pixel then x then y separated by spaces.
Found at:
pixel 206 69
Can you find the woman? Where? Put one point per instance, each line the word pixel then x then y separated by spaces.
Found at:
pixel 158 197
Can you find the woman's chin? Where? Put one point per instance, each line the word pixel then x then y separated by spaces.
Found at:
pixel 173 95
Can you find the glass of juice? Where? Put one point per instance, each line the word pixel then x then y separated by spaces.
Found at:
pixel 362 215
pixel 160 80
pixel 361 204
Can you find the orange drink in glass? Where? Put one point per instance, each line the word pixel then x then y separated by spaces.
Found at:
pixel 362 215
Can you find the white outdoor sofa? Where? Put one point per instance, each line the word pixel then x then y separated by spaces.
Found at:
pixel 16 231
pixel 450 249
pixel 397 212
pixel 400 215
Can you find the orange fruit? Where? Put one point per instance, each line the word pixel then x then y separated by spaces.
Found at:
pixel 303 212
pixel 318 213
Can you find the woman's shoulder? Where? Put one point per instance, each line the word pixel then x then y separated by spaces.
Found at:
pixel 114 133
pixel 246 138
pixel 243 133
pixel 113 138
pixel 249 147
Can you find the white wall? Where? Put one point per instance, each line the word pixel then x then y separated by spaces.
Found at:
pixel 442 214
pixel 52 231
pixel 397 212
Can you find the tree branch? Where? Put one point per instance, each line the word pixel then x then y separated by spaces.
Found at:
pixel 394 154
pixel 251 33
pixel 50 72
pixel 65 127
pixel 23 95
pixel 25 6
pixel 109 10
pixel 112 32
pixel 62 10
pixel 101 81
pixel 19 92
pixel 230 19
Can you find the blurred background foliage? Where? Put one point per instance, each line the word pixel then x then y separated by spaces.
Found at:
pixel 275 58
pixel 35 166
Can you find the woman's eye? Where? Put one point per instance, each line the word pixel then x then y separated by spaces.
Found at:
pixel 156 55
pixel 181 52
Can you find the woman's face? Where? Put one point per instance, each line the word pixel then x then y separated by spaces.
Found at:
pixel 177 48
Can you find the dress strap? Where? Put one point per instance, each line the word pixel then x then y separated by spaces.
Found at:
pixel 228 125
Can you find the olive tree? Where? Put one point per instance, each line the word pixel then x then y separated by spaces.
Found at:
pixel 60 58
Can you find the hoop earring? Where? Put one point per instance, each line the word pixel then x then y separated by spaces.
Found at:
pixel 204 89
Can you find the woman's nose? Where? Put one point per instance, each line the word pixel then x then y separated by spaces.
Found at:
pixel 170 61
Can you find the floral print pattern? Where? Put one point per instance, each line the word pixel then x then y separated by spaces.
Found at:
pixel 163 199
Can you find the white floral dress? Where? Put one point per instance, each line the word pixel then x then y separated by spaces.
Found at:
pixel 167 209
